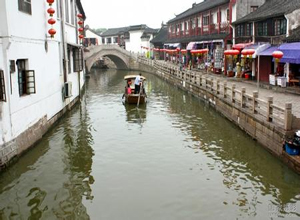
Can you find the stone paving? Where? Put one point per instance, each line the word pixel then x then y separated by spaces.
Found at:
pixel 280 95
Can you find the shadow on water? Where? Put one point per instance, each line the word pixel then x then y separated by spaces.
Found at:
pixel 239 158
pixel 135 114
pixel 53 178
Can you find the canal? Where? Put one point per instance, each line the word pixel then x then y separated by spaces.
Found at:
pixel 173 158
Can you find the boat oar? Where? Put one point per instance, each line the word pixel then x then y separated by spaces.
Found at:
pixel 141 87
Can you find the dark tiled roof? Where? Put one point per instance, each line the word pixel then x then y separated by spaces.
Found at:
pixel 198 38
pixel 117 31
pixel 80 8
pixel 271 9
pixel 295 36
pixel 200 7
pixel 151 31
pixel 114 31
pixel 161 36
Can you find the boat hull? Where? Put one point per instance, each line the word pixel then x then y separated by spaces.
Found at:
pixel 133 98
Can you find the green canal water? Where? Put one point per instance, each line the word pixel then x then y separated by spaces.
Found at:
pixel 174 158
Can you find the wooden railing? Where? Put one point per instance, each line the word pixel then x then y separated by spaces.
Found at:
pixel 251 103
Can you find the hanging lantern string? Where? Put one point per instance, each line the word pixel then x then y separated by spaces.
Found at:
pixel 80 29
pixel 51 20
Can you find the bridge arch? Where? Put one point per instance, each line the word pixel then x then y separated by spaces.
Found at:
pixel 119 56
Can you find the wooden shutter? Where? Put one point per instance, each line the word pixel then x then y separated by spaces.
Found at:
pixel 2 87
pixel 30 82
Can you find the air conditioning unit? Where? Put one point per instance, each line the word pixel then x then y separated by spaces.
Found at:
pixel 68 89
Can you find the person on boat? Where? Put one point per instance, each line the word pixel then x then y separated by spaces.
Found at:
pixel 137 84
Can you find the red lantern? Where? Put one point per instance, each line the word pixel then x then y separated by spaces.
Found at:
pixel 231 52
pixel 81 36
pixel 248 52
pixel 80 29
pixel 80 22
pixel 51 11
pixel 80 16
pixel 277 55
pixel 51 21
pixel 50 2
pixel 52 32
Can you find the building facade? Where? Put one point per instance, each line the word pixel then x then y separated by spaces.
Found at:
pixel 91 37
pixel 134 38
pixel 41 75
pixel 276 24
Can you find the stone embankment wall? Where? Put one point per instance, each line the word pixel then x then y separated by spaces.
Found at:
pixel 30 137
pixel 265 122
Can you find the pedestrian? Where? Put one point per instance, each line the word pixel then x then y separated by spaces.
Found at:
pixel 137 84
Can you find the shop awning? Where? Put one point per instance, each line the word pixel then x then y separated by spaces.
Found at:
pixel 173 45
pixel 268 52
pixel 258 48
pixel 191 46
pixel 291 52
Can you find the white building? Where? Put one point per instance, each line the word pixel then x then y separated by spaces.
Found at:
pixel 132 38
pixel 91 37
pixel 40 76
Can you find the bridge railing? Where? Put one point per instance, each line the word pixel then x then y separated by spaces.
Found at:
pixel 251 103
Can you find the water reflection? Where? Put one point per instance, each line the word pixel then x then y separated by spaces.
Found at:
pixel 136 114
pixel 187 162
pixel 51 180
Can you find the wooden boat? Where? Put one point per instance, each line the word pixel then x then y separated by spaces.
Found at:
pixel 129 95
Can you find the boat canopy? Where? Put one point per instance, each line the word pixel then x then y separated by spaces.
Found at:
pixel 133 77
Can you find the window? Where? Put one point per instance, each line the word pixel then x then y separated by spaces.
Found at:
pixel 108 40
pixel 248 29
pixel 115 40
pixel 77 59
pixel 67 11
pixel 280 27
pixel 240 30
pixel 262 29
pixel 206 20
pixel 199 21
pixel 2 87
pixel 253 8
pixel 26 78
pixel 25 6
pixel 72 12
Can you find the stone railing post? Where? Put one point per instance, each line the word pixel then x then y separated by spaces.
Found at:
pixel 200 80
pixel 243 97
pixel 255 96
pixel 269 108
pixel 225 90
pixel 233 93
pixel 218 86
pixel 211 80
pixel 288 117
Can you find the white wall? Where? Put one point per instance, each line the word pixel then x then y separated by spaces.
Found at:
pixel 28 39
pixel 90 34
pixel 135 43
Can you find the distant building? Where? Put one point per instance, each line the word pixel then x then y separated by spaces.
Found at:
pixel 40 76
pixel 91 37
pixel 132 38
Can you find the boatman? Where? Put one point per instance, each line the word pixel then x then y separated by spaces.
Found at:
pixel 137 84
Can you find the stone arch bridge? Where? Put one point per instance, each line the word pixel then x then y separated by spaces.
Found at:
pixel 123 59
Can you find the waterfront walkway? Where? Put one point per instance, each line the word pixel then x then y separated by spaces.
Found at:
pixel 281 95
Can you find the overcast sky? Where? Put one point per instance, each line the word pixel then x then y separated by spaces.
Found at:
pixel 122 13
